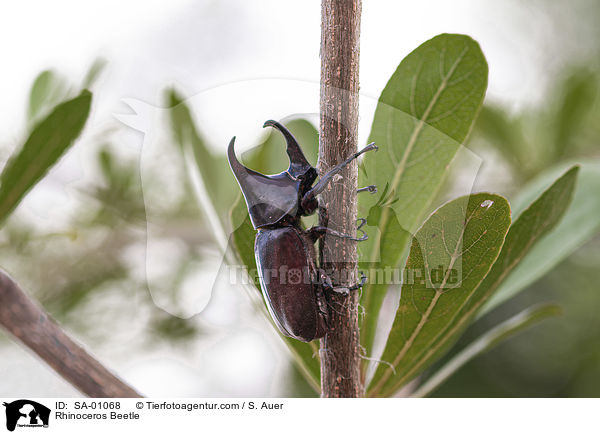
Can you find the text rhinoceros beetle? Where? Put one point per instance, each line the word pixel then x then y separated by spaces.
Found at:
pixel 292 283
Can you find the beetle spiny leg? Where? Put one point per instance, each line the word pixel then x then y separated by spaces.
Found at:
pixel 318 231
pixel 370 188
pixel 345 290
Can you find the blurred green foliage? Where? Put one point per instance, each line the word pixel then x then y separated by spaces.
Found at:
pixel 72 270
pixel 535 143
pixel 564 127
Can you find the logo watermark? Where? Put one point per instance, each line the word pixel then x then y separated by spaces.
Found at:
pixel 25 413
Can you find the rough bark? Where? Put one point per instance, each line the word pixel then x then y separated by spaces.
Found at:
pixel 340 30
pixel 28 323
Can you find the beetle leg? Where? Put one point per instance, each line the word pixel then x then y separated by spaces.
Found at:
pixel 317 232
pixel 320 186
pixel 345 290
pixel 318 277
pixel 320 296
pixel 370 188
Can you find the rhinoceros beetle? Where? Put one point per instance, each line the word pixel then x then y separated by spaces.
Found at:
pixel 292 283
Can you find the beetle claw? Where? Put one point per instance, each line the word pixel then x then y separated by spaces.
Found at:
pixel 364 235
pixel 370 188
pixel 345 290
pixel 371 146
pixel 341 290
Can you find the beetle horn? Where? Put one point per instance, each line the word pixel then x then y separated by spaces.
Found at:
pixel 237 167
pixel 240 171
pixel 299 165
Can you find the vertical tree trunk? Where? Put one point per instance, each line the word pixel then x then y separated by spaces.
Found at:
pixel 340 30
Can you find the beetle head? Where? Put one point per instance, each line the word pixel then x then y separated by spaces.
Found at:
pixel 271 197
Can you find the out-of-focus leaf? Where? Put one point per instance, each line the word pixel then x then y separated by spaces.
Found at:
pixel 94 72
pixel 424 114
pixel 581 222
pixel 243 234
pixel 484 343
pixel 450 256
pixel 47 90
pixel 118 176
pixel 173 328
pixel 218 182
pixel 296 385
pixel 504 133
pixel 119 193
pixel 537 139
pixel 579 95
pixel 305 354
pixel 47 142
pixel 62 300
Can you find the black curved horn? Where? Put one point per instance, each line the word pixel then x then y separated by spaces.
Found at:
pixel 237 167
pixel 299 165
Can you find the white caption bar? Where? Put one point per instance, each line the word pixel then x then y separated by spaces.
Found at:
pixel 45 415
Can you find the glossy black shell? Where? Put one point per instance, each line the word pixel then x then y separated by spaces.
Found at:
pixel 286 265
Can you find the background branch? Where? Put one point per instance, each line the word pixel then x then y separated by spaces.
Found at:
pixel 28 322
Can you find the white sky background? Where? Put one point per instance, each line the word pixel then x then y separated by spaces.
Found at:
pixel 198 45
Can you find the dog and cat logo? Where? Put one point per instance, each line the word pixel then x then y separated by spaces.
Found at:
pixel 26 413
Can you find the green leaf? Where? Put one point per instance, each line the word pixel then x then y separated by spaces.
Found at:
pixel 48 141
pixel 449 258
pixel 485 342
pixel 423 116
pixel 304 354
pixel 536 221
pixel 579 224
pixel 47 90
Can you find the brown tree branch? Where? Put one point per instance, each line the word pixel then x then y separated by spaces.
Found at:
pixel 340 31
pixel 28 322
